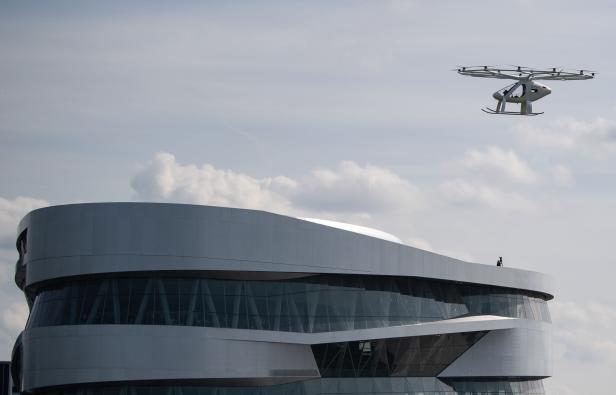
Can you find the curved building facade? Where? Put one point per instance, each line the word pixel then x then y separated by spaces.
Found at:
pixel 170 299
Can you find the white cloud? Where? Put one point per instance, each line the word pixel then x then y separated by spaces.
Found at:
pixel 584 332
pixel 11 212
pixel 8 256
pixel 351 187
pixel 596 138
pixel 14 317
pixel 347 188
pixel 487 178
pixel 164 179
pixel 461 191
pixel 420 243
pixel 13 313
pixel 425 245
pixel 499 162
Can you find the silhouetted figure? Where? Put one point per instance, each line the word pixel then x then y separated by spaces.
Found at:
pixel 500 261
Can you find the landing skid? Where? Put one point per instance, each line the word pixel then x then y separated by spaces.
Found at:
pixel 490 111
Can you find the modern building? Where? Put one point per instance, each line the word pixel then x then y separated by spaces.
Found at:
pixel 171 299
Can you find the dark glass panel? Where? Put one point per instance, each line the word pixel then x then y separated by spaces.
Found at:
pixel 330 386
pixel 422 356
pixel 313 304
pixel 491 385
pixel 4 379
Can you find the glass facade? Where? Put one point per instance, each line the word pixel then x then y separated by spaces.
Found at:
pixel 490 386
pixel 420 356
pixel 317 303
pixel 364 386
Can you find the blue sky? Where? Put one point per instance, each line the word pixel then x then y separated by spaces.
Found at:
pixel 344 110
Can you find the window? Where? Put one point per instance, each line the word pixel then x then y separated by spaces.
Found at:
pixel 22 244
pixel 420 356
pixel 320 303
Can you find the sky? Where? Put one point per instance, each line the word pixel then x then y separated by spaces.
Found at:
pixel 342 110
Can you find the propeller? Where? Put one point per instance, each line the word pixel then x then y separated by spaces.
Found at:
pixel 518 68
pixel 521 72
pixel 583 72
pixel 580 70
pixel 484 67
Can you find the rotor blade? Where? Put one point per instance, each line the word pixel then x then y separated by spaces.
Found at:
pixel 565 75
pixel 483 65
pixel 521 68
pixel 487 72
pixel 525 73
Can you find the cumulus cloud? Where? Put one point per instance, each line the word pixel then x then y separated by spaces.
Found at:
pixel 460 191
pixel 13 313
pixel 490 177
pixel 425 245
pixel 8 257
pixel 499 162
pixel 164 179
pixel 420 243
pixel 350 187
pixel 584 332
pixel 11 211
pixel 347 188
pixel 595 138
pixel 14 317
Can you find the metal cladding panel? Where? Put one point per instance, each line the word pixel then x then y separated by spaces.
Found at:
pixel 105 353
pixel 105 238
pixel 515 352
pixel 118 237
pixel 101 353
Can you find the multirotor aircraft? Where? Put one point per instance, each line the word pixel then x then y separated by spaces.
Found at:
pixel 526 90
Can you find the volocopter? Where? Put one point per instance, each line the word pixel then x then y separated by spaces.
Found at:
pixel 526 90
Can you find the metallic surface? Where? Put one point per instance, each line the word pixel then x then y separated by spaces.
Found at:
pixel 84 239
pixel 115 239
